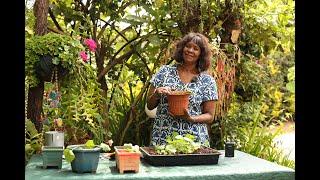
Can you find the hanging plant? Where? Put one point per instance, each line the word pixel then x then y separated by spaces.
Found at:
pixel 44 52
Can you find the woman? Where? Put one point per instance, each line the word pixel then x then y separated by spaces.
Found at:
pixel 193 58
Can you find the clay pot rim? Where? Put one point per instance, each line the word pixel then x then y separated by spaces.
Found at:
pixel 179 93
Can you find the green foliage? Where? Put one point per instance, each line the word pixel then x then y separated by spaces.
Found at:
pixel 63 48
pixel 105 147
pixel 268 25
pixel 81 106
pixel 256 139
pixel 89 144
pixel 248 127
pixel 291 78
pixel 69 155
pixel 252 79
pixel 33 139
pixel 178 144
pixel 130 148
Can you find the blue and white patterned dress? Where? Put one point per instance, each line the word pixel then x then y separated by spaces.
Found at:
pixel 204 89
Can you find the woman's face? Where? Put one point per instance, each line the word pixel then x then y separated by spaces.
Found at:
pixel 191 52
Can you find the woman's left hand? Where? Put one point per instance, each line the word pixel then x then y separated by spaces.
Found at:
pixel 185 116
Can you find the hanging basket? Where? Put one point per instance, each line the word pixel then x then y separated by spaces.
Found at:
pixel 178 101
pixel 45 67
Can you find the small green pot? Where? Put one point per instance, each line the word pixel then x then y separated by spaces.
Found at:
pixel 52 156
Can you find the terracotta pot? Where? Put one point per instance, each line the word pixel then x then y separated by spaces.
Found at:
pixel 178 101
pixel 127 161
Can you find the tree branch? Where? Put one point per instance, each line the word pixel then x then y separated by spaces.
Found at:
pixel 113 62
pixel 54 20
pixel 55 30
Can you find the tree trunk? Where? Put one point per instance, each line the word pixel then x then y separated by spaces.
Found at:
pixel 35 94
pixel 35 98
pixel 102 81
pixel 40 10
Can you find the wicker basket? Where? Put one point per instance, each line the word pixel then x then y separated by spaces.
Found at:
pixel 178 101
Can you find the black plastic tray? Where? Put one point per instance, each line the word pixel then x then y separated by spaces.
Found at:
pixel 180 159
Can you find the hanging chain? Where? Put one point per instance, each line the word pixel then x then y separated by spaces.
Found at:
pixel 56 79
pixel 26 114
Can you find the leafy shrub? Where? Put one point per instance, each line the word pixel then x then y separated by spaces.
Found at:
pixel 64 50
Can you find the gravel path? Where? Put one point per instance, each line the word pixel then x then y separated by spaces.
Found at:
pixel 286 141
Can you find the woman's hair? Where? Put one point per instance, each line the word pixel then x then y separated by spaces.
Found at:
pixel 199 39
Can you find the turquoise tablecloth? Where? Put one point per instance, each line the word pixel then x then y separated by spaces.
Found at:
pixel 242 166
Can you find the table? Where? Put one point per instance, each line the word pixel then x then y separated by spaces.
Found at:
pixel 241 166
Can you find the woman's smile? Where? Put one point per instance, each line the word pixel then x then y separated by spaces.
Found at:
pixel 191 52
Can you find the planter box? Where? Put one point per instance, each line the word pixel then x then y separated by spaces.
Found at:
pixel 52 156
pixel 127 161
pixel 86 160
pixel 180 159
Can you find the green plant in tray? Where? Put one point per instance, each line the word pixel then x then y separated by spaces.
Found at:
pixel 178 144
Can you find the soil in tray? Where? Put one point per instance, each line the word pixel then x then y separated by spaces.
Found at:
pixel 201 150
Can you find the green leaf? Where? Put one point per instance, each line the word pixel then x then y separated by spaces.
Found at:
pixel 127 146
pixel 68 154
pixel 105 147
pixel 55 61
pixel 31 128
pixel 89 144
pixel 28 147
pixel 291 87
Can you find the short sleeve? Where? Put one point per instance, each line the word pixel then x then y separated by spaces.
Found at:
pixel 210 89
pixel 158 78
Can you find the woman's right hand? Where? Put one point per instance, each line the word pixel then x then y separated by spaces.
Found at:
pixel 163 90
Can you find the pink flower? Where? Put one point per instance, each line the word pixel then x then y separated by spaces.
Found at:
pixel 91 44
pixel 84 56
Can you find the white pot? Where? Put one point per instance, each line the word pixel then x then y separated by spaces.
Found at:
pixel 150 113
pixel 54 138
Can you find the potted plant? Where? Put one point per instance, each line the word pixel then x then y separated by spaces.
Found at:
pixel 84 157
pixel 180 150
pixel 52 156
pixel 178 100
pixel 44 53
pixel 127 158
